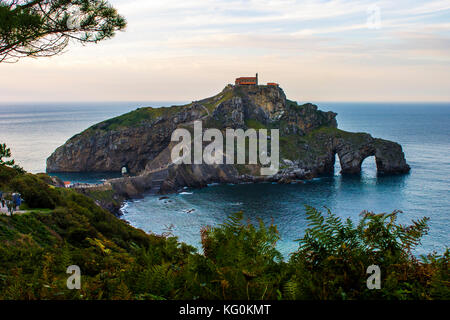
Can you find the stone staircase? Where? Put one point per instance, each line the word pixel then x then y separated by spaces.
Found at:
pixel 158 178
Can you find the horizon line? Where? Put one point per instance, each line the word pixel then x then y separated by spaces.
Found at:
pixel 181 102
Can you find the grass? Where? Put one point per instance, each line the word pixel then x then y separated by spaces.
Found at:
pixel 18 227
pixel 136 118
pixel 289 147
pixel 255 124
pixel 42 211
pixel 353 137
pixel 144 115
pixel 211 104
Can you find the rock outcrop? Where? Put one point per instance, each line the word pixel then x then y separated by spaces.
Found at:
pixel 140 141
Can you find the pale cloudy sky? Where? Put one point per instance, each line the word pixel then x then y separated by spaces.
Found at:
pixel 183 50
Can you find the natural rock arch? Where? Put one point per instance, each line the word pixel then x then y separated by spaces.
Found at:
pixel 389 156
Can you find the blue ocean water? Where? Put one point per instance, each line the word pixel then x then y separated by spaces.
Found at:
pixel 422 129
pixel 33 131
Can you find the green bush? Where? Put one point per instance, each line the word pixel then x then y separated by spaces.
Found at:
pixel 333 257
pixel 241 261
pixel 6 175
pixel 35 192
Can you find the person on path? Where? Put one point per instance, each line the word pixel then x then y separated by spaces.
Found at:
pixel 17 202
pixel 10 205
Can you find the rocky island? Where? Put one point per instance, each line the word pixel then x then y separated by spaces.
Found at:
pixel 141 142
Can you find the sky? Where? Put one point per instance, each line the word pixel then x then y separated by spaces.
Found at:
pixel 317 50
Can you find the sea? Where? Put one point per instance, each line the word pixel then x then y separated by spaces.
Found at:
pixel 34 130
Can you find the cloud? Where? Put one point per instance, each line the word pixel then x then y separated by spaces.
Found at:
pixel 429 7
pixel 318 50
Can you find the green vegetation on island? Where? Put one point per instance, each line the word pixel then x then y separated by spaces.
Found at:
pixel 136 117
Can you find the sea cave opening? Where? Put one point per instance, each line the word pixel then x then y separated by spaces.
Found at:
pixel 369 167
pixel 337 165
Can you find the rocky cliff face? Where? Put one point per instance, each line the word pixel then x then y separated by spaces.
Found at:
pixel 140 141
pixel 131 140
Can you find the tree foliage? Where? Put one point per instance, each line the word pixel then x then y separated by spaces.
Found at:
pixel 42 28
pixel 5 152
